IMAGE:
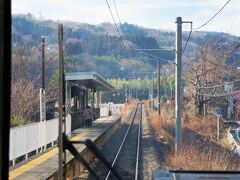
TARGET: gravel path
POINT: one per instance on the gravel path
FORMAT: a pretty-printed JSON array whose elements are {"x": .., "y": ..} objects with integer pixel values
[{"x": 151, "y": 149}]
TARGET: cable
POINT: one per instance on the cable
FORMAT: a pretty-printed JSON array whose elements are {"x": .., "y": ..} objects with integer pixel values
[
  {"x": 189, "y": 35},
  {"x": 215, "y": 86},
  {"x": 117, "y": 13},
  {"x": 219, "y": 95},
  {"x": 157, "y": 57},
  {"x": 159, "y": 49},
  {"x": 116, "y": 24},
  {"x": 232, "y": 103},
  {"x": 113, "y": 17},
  {"x": 202, "y": 25},
  {"x": 169, "y": 61},
  {"x": 212, "y": 17}
]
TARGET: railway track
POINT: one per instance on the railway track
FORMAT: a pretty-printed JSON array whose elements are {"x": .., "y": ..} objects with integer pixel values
[{"x": 126, "y": 161}]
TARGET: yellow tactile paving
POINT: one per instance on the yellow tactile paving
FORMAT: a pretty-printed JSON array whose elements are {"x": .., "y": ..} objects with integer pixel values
[{"x": 35, "y": 162}]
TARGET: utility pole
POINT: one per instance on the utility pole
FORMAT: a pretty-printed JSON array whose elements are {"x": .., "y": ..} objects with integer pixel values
[
  {"x": 149, "y": 95},
  {"x": 152, "y": 92},
  {"x": 136, "y": 93},
  {"x": 61, "y": 131},
  {"x": 129, "y": 91},
  {"x": 158, "y": 77},
  {"x": 178, "y": 83},
  {"x": 126, "y": 94},
  {"x": 42, "y": 94}
]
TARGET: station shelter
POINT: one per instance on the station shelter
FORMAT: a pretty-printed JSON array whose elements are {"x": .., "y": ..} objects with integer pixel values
[{"x": 83, "y": 89}]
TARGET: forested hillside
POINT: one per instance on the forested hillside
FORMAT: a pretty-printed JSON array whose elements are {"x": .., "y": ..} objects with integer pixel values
[{"x": 99, "y": 47}]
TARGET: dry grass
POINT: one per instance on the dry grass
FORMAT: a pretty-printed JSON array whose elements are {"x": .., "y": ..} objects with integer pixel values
[
  {"x": 191, "y": 157},
  {"x": 199, "y": 150},
  {"x": 206, "y": 126}
]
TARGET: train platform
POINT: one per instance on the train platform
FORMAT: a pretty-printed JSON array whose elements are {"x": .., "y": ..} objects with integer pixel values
[{"x": 45, "y": 165}]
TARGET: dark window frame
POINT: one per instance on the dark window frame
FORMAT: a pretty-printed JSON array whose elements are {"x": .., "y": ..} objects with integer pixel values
[{"x": 5, "y": 85}]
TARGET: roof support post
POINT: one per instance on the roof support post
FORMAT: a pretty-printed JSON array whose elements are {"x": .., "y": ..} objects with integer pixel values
[{"x": 98, "y": 99}]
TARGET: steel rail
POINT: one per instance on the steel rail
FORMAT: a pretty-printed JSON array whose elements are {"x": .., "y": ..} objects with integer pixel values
[
  {"x": 123, "y": 141},
  {"x": 138, "y": 144}
]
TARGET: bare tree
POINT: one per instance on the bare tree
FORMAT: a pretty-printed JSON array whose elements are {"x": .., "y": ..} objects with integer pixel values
[
  {"x": 26, "y": 83},
  {"x": 210, "y": 71},
  {"x": 24, "y": 99}
]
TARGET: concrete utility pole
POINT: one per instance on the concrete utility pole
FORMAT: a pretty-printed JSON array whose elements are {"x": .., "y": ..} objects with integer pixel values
[
  {"x": 61, "y": 131},
  {"x": 149, "y": 95},
  {"x": 158, "y": 77},
  {"x": 126, "y": 94},
  {"x": 129, "y": 91},
  {"x": 178, "y": 69},
  {"x": 152, "y": 92}
]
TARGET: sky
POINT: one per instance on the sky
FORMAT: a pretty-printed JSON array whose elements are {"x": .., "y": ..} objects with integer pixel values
[{"x": 159, "y": 14}]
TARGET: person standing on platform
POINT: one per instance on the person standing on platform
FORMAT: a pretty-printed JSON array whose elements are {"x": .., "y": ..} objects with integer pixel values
[{"x": 88, "y": 116}]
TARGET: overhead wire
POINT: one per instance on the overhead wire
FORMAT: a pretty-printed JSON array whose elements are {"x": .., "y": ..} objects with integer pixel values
[
  {"x": 158, "y": 58},
  {"x": 204, "y": 24},
  {"x": 189, "y": 35},
  {"x": 215, "y": 86},
  {"x": 218, "y": 94},
  {"x": 117, "y": 13},
  {"x": 151, "y": 49},
  {"x": 231, "y": 102},
  {"x": 119, "y": 32},
  {"x": 115, "y": 23},
  {"x": 153, "y": 56}
]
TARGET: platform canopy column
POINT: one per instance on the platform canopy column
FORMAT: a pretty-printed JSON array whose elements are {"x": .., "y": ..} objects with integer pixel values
[
  {"x": 98, "y": 100},
  {"x": 68, "y": 97},
  {"x": 93, "y": 99},
  {"x": 86, "y": 98}
]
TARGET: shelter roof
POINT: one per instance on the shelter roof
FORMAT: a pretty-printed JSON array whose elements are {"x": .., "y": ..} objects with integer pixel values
[{"x": 90, "y": 80}]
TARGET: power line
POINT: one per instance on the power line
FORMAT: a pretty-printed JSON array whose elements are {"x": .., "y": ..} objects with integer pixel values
[
  {"x": 157, "y": 57},
  {"x": 232, "y": 103},
  {"x": 117, "y": 13},
  {"x": 215, "y": 86},
  {"x": 113, "y": 18},
  {"x": 116, "y": 24},
  {"x": 169, "y": 61},
  {"x": 219, "y": 95},
  {"x": 189, "y": 35},
  {"x": 158, "y": 49},
  {"x": 212, "y": 16}
]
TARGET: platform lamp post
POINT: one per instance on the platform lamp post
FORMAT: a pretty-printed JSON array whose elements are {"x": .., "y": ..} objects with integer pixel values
[{"x": 42, "y": 94}]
